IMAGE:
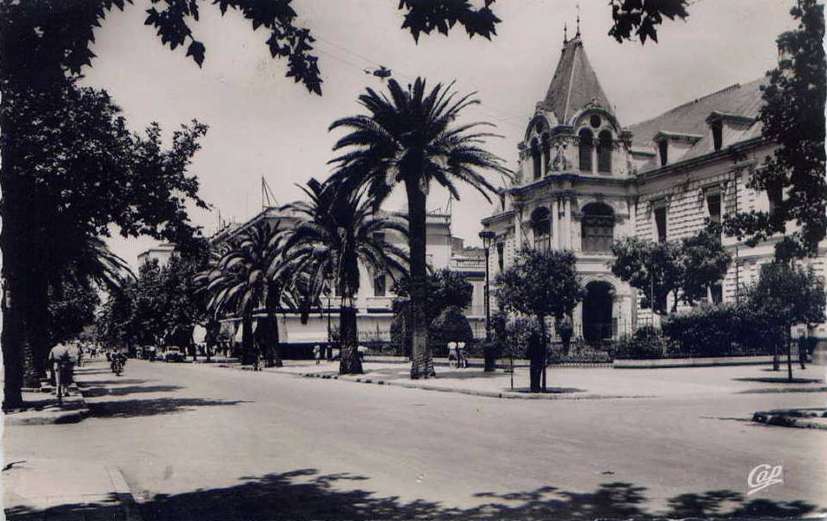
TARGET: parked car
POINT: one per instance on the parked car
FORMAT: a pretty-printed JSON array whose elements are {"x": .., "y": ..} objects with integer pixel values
[{"x": 172, "y": 354}]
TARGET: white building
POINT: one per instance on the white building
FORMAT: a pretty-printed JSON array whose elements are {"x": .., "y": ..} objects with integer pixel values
[
  {"x": 585, "y": 180},
  {"x": 161, "y": 253},
  {"x": 375, "y": 297}
]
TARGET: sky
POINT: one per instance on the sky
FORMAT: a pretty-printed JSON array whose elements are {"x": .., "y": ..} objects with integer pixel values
[{"x": 264, "y": 125}]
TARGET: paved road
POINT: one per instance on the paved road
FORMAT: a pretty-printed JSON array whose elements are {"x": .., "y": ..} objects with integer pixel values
[{"x": 205, "y": 443}]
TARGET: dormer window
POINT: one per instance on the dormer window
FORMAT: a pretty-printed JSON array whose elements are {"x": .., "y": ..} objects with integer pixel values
[
  {"x": 717, "y": 128},
  {"x": 663, "y": 151},
  {"x": 734, "y": 122}
]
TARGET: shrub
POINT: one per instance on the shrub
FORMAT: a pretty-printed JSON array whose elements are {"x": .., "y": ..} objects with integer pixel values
[
  {"x": 706, "y": 330},
  {"x": 450, "y": 326},
  {"x": 646, "y": 343},
  {"x": 729, "y": 329}
]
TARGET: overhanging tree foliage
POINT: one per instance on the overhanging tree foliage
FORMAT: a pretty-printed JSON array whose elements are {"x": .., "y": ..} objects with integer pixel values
[
  {"x": 792, "y": 116},
  {"x": 72, "y": 169}
]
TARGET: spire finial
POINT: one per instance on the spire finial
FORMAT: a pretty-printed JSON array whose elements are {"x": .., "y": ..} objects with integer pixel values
[
  {"x": 565, "y": 33},
  {"x": 578, "y": 20}
]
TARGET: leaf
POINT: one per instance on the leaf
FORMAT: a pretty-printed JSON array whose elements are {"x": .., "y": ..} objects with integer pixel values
[{"x": 196, "y": 50}]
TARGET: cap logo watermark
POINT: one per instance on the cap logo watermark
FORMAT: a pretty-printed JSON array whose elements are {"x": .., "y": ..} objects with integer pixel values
[{"x": 763, "y": 476}]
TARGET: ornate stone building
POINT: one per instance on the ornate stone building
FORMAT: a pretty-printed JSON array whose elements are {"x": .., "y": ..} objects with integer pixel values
[{"x": 585, "y": 180}]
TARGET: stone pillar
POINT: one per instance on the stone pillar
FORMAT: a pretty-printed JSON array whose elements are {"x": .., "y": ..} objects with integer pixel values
[
  {"x": 567, "y": 223},
  {"x": 518, "y": 229},
  {"x": 556, "y": 229}
]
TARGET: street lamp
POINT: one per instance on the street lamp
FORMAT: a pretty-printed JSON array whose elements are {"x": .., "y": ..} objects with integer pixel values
[{"x": 487, "y": 237}]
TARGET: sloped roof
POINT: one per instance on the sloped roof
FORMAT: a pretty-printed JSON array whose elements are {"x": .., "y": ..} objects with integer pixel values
[
  {"x": 691, "y": 118},
  {"x": 574, "y": 84}
]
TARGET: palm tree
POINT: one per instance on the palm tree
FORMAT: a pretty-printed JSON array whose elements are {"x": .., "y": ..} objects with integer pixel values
[
  {"x": 237, "y": 282},
  {"x": 412, "y": 138},
  {"x": 337, "y": 231}
]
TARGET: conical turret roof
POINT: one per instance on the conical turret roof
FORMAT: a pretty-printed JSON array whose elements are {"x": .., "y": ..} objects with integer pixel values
[{"x": 574, "y": 84}]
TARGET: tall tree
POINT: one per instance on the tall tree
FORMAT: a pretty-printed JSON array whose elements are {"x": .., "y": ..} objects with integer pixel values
[
  {"x": 411, "y": 138},
  {"x": 337, "y": 233},
  {"x": 792, "y": 117},
  {"x": 785, "y": 295},
  {"x": 540, "y": 284},
  {"x": 239, "y": 284},
  {"x": 65, "y": 184}
]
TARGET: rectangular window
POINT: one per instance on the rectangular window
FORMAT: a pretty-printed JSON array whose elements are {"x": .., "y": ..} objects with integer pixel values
[
  {"x": 501, "y": 256},
  {"x": 717, "y": 293},
  {"x": 660, "y": 223},
  {"x": 713, "y": 205},
  {"x": 379, "y": 286}
]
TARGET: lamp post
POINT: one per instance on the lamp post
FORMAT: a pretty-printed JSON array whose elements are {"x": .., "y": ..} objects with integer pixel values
[{"x": 487, "y": 237}]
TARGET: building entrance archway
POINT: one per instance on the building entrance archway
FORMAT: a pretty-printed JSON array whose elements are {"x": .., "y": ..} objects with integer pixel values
[{"x": 597, "y": 311}]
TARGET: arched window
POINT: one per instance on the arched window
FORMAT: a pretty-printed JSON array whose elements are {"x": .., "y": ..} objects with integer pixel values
[
  {"x": 541, "y": 226},
  {"x": 598, "y": 228},
  {"x": 604, "y": 152},
  {"x": 586, "y": 145},
  {"x": 546, "y": 145},
  {"x": 535, "y": 159}
]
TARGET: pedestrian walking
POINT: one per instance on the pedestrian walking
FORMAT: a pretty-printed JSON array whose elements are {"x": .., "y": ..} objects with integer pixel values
[
  {"x": 62, "y": 359},
  {"x": 317, "y": 354},
  {"x": 461, "y": 360}
]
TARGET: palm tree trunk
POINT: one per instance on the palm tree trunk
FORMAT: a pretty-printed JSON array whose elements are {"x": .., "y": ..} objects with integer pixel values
[
  {"x": 350, "y": 363},
  {"x": 422, "y": 365},
  {"x": 247, "y": 341}
]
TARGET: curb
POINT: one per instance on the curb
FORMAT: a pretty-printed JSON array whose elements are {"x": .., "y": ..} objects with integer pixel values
[
  {"x": 124, "y": 494},
  {"x": 786, "y": 419},
  {"x": 507, "y": 395}
]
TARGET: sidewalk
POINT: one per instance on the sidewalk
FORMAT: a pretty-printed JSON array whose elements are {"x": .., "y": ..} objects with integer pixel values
[
  {"x": 63, "y": 490},
  {"x": 581, "y": 383},
  {"x": 42, "y": 409}
]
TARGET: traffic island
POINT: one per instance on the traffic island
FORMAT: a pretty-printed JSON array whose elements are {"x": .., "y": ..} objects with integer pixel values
[{"x": 796, "y": 418}]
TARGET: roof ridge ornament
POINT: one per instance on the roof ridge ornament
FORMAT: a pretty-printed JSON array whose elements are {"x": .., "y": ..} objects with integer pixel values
[{"x": 578, "y": 21}]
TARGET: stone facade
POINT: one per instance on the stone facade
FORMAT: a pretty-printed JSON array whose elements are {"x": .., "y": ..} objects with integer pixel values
[{"x": 583, "y": 181}]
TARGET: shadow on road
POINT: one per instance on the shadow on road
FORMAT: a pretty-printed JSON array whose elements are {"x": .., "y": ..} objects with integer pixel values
[
  {"x": 151, "y": 407},
  {"x": 119, "y": 381},
  {"x": 95, "y": 392},
  {"x": 779, "y": 380},
  {"x": 302, "y": 494}
]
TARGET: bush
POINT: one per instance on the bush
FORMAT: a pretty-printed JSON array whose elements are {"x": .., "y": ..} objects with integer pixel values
[
  {"x": 646, "y": 343},
  {"x": 721, "y": 330},
  {"x": 450, "y": 326},
  {"x": 706, "y": 330}
]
